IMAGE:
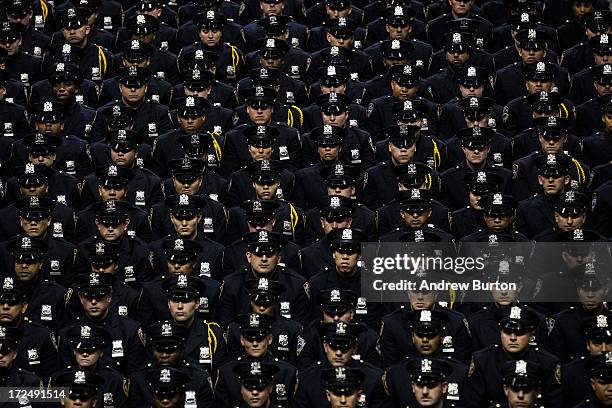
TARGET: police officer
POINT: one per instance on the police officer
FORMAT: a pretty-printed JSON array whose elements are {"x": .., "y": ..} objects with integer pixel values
[
  {"x": 95, "y": 61},
  {"x": 338, "y": 305},
  {"x": 166, "y": 342},
  {"x": 580, "y": 386},
  {"x": 468, "y": 220},
  {"x": 87, "y": 342},
  {"x": 273, "y": 51},
  {"x": 138, "y": 53},
  {"x": 19, "y": 64},
  {"x": 259, "y": 215},
  {"x": 580, "y": 54},
  {"x": 498, "y": 212},
  {"x": 168, "y": 386},
  {"x": 309, "y": 185},
  {"x": 179, "y": 257},
  {"x": 275, "y": 24},
  {"x": 113, "y": 186},
  {"x": 33, "y": 41},
  {"x": 597, "y": 148},
  {"x": 406, "y": 85},
  {"x": 256, "y": 383},
  {"x": 459, "y": 11},
  {"x": 340, "y": 344},
  {"x": 599, "y": 203},
  {"x": 394, "y": 52},
  {"x": 205, "y": 343},
  {"x": 263, "y": 250},
  {"x": 357, "y": 146},
  {"x": 264, "y": 125},
  {"x": 47, "y": 298},
  {"x": 10, "y": 372},
  {"x": 476, "y": 144},
  {"x": 516, "y": 324},
  {"x": 82, "y": 387},
  {"x": 589, "y": 82},
  {"x": 147, "y": 27},
  {"x": 36, "y": 338},
  {"x": 343, "y": 386},
  {"x": 532, "y": 49},
  {"x": 288, "y": 221},
  {"x": 192, "y": 117},
  {"x": 12, "y": 117},
  {"x": 333, "y": 9},
  {"x": 291, "y": 91},
  {"x": 599, "y": 368},
  {"x": 199, "y": 80},
  {"x": 112, "y": 222},
  {"x": 287, "y": 340},
  {"x": 522, "y": 382},
  {"x": 152, "y": 118},
  {"x": 35, "y": 222},
  {"x": 256, "y": 337},
  {"x": 345, "y": 274},
  {"x": 415, "y": 212}
]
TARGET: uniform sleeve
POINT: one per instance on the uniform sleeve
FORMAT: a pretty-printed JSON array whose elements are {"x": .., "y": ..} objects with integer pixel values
[
  {"x": 230, "y": 162},
  {"x": 475, "y": 386},
  {"x": 388, "y": 349},
  {"x": 135, "y": 352}
]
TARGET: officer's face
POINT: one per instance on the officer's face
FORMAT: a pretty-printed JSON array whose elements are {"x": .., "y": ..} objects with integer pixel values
[
  {"x": 457, "y": 59},
  {"x": 346, "y": 262},
  {"x": 268, "y": 226},
  {"x": 166, "y": 358},
  {"x": 145, "y": 63},
  {"x": 332, "y": 223},
  {"x": 339, "y": 357},
  {"x": 599, "y": 346},
  {"x": 272, "y": 63},
  {"x": 146, "y": 38},
  {"x": 335, "y": 119},
  {"x": 553, "y": 185},
  {"x": 425, "y": 345},
  {"x": 35, "y": 228},
  {"x": 112, "y": 193},
  {"x": 402, "y": 155},
  {"x": 263, "y": 263},
  {"x": 573, "y": 260},
  {"x": 50, "y": 128},
  {"x": 471, "y": 91},
  {"x": 177, "y": 268},
  {"x": 341, "y": 400},
  {"x": 112, "y": 232},
  {"x": 24, "y": 21},
  {"x": 521, "y": 398},
  {"x": 476, "y": 156},
  {"x": 340, "y": 42},
  {"x": 398, "y": 33},
  {"x": 531, "y": 56},
  {"x": 539, "y": 86},
  {"x": 403, "y": 93},
  {"x": 95, "y": 308},
  {"x": 346, "y": 316},
  {"x": 515, "y": 342},
  {"x": 124, "y": 159},
  {"x": 211, "y": 38},
  {"x": 260, "y": 153},
  {"x": 336, "y": 14},
  {"x": 191, "y": 124},
  {"x": 11, "y": 47},
  {"x": 606, "y": 118},
  {"x": 76, "y": 36},
  {"x": 256, "y": 347},
  {"x": 185, "y": 228},
  {"x": 65, "y": 90},
  {"x": 474, "y": 199},
  {"x": 86, "y": 359},
  {"x": 182, "y": 311},
  {"x": 603, "y": 390},
  {"x": 45, "y": 160},
  {"x": 6, "y": 360},
  {"x": 339, "y": 89},
  {"x": 429, "y": 395},
  {"x": 505, "y": 297},
  {"x": 344, "y": 191},
  {"x": 266, "y": 191},
  {"x": 328, "y": 153},
  {"x": 422, "y": 300},
  {"x": 187, "y": 188},
  {"x": 12, "y": 313},
  {"x": 461, "y": 7},
  {"x": 482, "y": 121},
  {"x": 108, "y": 268},
  {"x": 592, "y": 299},
  {"x": 498, "y": 224},
  {"x": 415, "y": 219},
  {"x": 79, "y": 402},
  {"x": 173, "y": 401},
  {"x": 581, "y": 8},
  {"x": 256, "y": 398},
  {"x": 569, "y": 223},
  {"x": 270, "y": 8},
  {"x": 259, "y": 115},
  {"x": 27, "y": 271},
  {"x": 133, "y": 95}
]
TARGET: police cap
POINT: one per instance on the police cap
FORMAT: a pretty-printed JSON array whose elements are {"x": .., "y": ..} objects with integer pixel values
[
  {"x": 181, "y": 251},
  {"x": 255, "y": 375},
  {"x": 255, "y": 326},
  {"x": 134, "y": 77},
  {"x": 396, "y": 49},
  {"x": 428, "y": 371},
  {"x": 264, "y": 292},
  {"x": 346, "y": 240},
  {"x": 517, "y": 317},
  {"x": 183, "y": 288},
  {"x": 476, "y": 137},
  {"x": 264, "y": 242},
  {"x": 335, "y": 302},
  {"x": 415, "y": 200},
  {"x": 521, "y": 374},
  {"x": 408, "y": 75},
  {"x": 272, "y": 48},
  {"x": 333, "y": 75},
  {"x": 49, "y": 111},
  {"x": 265, "y": 171},
  {"x": 88, "y": 338},
  {"x": 94, "y": 285},
  {"x": 552, "y": 165},
  {"x": 399, "y": 15},
  {"x": 274, "y": 25},
  {"x": 210, "y": 19},
  {"x": 142, "y": 24},
  {"x": 185, "y": 207},
  {"x": 166, "y": 335},
  {"x": 259, "y": 96},
  {"x": 543, "y": 101},
  {"x": 191, "y": 106},
  {"x": 166, "y": 382},
  {"x": 342, "y": 175},
  {"x": 600, "y": 366},
  {"x": 27, "y": 249},
  {"x": 427, "y": 322},
  {"x": 81, "y": 384},
  {"x": 336, "y": 207},
  {"x": 261, "y": 135},
  {"x": 31, "y": 175},
  {"x": 498, "y": 205},
  {"x": 483, "y": 182},
  {"x": 532, "y": 39},
  {"x": 327, "y": 135},
  {"x": 343, "y": 380},
  {"x": 112, "y": 176},
  {"x": 135, "y": 51},
  {"x": 186, "y": 170},
  {"x": 412, "y": 175},
  {"x": 102, "y": 253},
  {"x": 195, "y": 145}
]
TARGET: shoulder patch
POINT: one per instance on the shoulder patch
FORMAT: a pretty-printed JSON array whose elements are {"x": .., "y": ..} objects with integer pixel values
[
  {"x": 307, "y": 289},
  {"x": 550, "y": 324},
  {"x": 472, "y": 368},
  {"x": 515, "y": 168},
  {"x": 126, "y": 386},
  {"x": 558, "y": 373},
  {"x": 370, "y": 109}
]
